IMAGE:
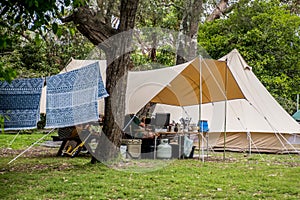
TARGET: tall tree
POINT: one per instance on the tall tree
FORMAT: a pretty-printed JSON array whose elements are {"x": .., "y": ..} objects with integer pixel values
[
  {"x": 96, "y": 25},
  {"x": 187, "y": 43}
]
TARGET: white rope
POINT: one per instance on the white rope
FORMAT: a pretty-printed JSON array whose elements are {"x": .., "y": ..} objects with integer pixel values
[
  {"x": 129, "y": 122},
  {"x": 275, "y": 130},
  {"x": 30, "y": 146},
  {"x": 281, "y": 142},
  {"x": 289, "y": 143},
  {"x": 251, "y": 141},
  {"x": 11, "y": 142},
  {"x": 205, "y": 140}
]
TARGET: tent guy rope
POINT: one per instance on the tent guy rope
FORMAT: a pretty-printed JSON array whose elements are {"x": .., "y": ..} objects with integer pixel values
[{"x": 30, "y": 147}]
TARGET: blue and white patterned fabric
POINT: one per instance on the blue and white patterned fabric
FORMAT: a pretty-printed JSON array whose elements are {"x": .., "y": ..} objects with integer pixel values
[
  {"x": 71, "y": 98},
  {"x": 20, "y": 103}
]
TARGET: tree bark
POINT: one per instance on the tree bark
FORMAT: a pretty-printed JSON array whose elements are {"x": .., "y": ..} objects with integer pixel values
[
  {"x": 220, "y": 9},
  {"x": 100, "y": 33},
  {"x": 187, "y": 47}
]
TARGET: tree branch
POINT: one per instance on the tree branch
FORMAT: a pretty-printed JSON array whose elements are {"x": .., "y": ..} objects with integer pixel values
[
  {"x": 67, "y": 19},
  {"x": 218, "y": 11},
  {"x": 90, "y": 25}
]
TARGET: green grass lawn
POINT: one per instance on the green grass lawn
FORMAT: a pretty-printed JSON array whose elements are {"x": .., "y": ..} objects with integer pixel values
[{"x": 41, "y": 175}]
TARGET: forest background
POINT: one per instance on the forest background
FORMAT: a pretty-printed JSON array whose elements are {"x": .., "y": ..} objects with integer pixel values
[{"x": 35, "y": 42}]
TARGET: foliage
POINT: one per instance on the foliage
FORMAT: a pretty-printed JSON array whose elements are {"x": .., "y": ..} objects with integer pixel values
[
  {"x": 43, "y": 176},
  {"x": 267, "y": 36},
  {"x": 35, "y": 55},
  {"x": 32, "y": 41},
  {"x": 158, "y": 17},
  {"x": 164, "y": 14},
  {"x": 165, "y": 56}
]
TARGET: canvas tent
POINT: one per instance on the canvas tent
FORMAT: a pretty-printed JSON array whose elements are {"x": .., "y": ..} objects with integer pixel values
[
  {"x": 256, "y": 121},
  {"x": 229, "y": 91},
  {"x": 180, "y": 85}
]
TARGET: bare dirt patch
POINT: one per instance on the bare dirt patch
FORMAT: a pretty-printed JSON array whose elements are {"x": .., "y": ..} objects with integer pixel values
[{"x": 32, "y": 152}]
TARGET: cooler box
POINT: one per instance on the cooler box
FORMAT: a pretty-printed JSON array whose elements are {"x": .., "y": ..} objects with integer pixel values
[
  {"x": 133, "y": 147},
  {"x": 203, "y": 126}
]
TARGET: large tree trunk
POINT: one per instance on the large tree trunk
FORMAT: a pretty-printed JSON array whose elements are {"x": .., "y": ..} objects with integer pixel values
[
  {"x": 118, "y": 60},
  {"x": 187, "y": 46}
]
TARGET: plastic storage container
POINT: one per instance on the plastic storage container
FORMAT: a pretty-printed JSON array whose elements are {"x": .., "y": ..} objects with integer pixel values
[{"x": 133, "y": 147}]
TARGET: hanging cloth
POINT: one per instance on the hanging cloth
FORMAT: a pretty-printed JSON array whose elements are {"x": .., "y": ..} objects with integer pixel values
[
  {"x": 71, "y": 98},
  {"x": 20, "y": 103}
]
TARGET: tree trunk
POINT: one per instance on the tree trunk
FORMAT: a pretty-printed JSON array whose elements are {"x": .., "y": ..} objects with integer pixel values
[
  {"x": 100, "y": 33},
  {"x": 187, "y": 46}
]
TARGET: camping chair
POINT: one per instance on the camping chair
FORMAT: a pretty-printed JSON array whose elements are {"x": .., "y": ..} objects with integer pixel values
[
  {"x": 71, "y": 142},
  {"x": 73, "y": 147}
]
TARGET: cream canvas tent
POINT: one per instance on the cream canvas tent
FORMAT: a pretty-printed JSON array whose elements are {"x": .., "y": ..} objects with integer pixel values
[
  {"x": 255, "y": 122},
  {"x": 180, "y": 85},
  {"x": 254, "y": 119}
]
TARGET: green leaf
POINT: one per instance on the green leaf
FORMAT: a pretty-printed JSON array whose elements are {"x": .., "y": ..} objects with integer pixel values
[
  {"x": 59, "y": 32},
  {"x": 37, "y": 39},
  {"x": 72, "y": 31},
  {"x": 67, "y": 2},
  {"x": 54, "y": 28}
]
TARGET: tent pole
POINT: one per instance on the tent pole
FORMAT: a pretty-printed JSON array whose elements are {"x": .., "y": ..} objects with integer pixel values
[
  {"x": 129, "y": 122},
  {"x": 225, "y": 117},
  {"x": 249, "y": 138},
  {"x": 297, "y": 102},
  {"x": 200, "y": 112}
]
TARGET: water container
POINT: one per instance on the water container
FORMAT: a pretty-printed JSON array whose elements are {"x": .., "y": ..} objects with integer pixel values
[
  {"x": 164, "y": 150},
  {"x": 203, "y": 126}
]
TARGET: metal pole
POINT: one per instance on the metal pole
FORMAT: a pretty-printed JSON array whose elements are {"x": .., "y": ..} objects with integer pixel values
[
  {"x": 200, "y": 111},
  {"x": 297, "y": 102},
  {"x": 225, "y": 119},
  {"x": 250, "y": 140}
]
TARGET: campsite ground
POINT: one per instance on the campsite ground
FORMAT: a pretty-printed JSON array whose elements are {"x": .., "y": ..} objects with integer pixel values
[{"x": 38, "y": 174}]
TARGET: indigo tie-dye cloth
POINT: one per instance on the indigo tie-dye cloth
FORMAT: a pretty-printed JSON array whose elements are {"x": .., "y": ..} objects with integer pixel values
[
  {"x": 71, "y": 98},
  {"x": 20, "y": 103}
]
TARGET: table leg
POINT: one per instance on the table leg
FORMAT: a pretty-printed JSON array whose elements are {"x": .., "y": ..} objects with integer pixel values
[{"x": 154, "y": 152}]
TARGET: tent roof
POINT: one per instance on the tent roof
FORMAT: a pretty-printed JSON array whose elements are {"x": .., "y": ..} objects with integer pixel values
[
  {"x": 77, "y": 64},
  {"x": 258, "y": 111},
  {"x": 259, "y": 97},
  {"x": 180, "y": 85}
]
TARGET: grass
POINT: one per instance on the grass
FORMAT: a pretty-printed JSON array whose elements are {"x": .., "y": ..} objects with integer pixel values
[{"x": 44, "y": 176}]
